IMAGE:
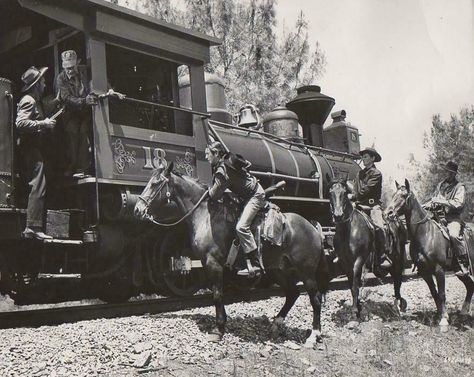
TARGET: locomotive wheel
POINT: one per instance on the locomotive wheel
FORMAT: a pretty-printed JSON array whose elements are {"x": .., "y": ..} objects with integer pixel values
[
  {"x": 117, "y": 287},
  {"x": 158, "y": 282},
  {"x": 175, "y": 245}
]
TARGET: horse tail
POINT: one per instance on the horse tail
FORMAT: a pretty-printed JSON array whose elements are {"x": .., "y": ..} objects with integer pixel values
[{"x": 322, "y": 272}]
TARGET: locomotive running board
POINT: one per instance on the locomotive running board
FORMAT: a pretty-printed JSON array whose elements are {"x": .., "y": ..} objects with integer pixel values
[
  {"x": 63, "y": 242},
  {"x": 58, "y": 276}
]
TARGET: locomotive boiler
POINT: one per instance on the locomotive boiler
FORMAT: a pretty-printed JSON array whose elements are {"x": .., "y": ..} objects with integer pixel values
[{"x": 98, "y": 248}]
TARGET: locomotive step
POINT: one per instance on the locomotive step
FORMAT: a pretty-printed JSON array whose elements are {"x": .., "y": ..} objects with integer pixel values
[
  {"x": 58, "y": 276},
  {"x": 63, "y": 242}
]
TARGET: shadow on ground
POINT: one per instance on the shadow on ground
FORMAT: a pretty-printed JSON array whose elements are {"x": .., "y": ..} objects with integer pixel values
[{"x": 249, "y": 329}]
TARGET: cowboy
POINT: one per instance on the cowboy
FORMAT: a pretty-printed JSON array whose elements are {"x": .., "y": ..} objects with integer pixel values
[
  {"x": 450, "y": 196},
  {"x": 73, "y": 89},
  {"x": 231, "y": 172},
  {"x": 31, "y": 123},
  {"x": 368, "y": 192}
]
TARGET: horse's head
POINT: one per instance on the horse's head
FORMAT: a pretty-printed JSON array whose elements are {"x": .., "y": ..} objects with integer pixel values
[
  {"x": 399, "y": 201},
  {"x": 338, "y": 192},
  {"x": 156, "y": 190}
]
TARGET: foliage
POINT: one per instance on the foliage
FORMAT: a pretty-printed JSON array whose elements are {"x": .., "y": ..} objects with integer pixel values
[
  {"x": 447, "y": 140},
  {"x": 259, "y": 64}
]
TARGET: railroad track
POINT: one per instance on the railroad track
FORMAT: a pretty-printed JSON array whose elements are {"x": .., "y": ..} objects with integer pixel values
[{"x": 70, "y": 314}]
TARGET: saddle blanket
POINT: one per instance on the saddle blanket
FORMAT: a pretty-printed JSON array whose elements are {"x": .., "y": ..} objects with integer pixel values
[{"x": 443, "y": 230}]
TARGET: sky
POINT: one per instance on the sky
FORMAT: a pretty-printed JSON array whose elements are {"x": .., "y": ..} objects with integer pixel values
[{"x": 392, "y": 64}]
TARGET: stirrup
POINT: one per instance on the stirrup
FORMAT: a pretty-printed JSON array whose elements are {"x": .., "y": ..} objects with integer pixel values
[
  {"x": 462, "y": 271},
  {"x": 250, "y": 270}
]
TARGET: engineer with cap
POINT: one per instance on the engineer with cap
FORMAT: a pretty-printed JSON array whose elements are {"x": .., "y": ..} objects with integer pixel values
[
  {"x": 368, "y": 192},
  {"x": 31, "y": 123},
  {"x": 450, "y": 196},
  {"x": 73, "y": 89}
]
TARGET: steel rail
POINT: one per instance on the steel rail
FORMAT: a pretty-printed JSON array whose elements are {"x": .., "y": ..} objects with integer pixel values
[{"x": 70, "y": 314}]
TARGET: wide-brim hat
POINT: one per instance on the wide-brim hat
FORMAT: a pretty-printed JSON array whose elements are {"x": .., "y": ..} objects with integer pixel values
[
  {"x": 31, "y": 76},
  {"x": 237, "y": 162},
  {"x": 372, "y": 152},
  {"x": 450, "y": 166}
]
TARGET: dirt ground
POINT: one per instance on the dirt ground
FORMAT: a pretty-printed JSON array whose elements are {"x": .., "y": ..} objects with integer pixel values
[{"x": 385, "y": 342}]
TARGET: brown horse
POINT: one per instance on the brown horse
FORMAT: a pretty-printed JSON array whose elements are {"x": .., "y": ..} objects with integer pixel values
[
  {"x": 300, "y": 258},
  {"x": 428, "y": 249},
  {"x": 354, "y": 240}
]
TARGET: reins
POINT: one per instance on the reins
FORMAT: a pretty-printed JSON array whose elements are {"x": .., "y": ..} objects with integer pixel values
[{"x": 148, "y": 202}]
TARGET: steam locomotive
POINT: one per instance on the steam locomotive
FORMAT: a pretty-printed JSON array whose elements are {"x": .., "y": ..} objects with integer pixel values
[{"x": 97, "y": 246}]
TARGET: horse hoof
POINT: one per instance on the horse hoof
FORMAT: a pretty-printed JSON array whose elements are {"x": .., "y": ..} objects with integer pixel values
[
  {"x": 444, "y": 325},
  {"x": 466, "y": 309},
  {"x": 403, "y": 305},
  {"x": 214, "y": 337},
  {"x": 314, "y": 338}
]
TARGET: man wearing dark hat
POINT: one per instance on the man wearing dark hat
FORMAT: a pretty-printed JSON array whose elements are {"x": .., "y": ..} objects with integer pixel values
[
  {"x": 31, "y": 123},
  {"x": 231, "y": 172},
  {"x": 450, "y": 196},
  {"x": 73, "y": 89},
  {"x": 368, "y": 192}
]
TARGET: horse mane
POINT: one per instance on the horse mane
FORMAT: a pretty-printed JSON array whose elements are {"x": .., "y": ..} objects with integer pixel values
[{"x": 192, "y": 179}]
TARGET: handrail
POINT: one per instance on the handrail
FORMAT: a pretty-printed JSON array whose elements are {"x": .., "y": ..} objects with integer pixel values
[
  {"x": 130, "y": 99},
  {"x": 277, "y": 138}
]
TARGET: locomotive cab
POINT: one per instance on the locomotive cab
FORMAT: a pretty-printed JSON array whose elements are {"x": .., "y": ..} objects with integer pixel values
[{"x": 91, "y": 218}]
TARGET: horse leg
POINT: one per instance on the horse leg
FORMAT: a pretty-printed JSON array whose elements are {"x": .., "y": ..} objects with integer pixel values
[
  {"x": 291, "y": 292},
  {"x": 397, "y": 274},
  {"x": 428, "y": 278},
  {"x": 216, "y": 276},
  {"x": 315, "y": 297},
  {"x": 356, "y": 282},
  {"x": 466, "y": 306},
  {"x": 440, "y": 280}
]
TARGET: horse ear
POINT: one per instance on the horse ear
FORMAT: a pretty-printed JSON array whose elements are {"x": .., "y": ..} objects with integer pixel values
[
  {"x": 169, "y": 168},
  {"x": 397, "y": 185},
  {"x": 407, "y": 185}
]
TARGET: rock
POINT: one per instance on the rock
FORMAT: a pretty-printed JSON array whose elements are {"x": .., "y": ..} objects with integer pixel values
[
  {"x": 311, "y": 369},
  {"x": 142, "y": 360},
  {"x": 352, "y": 325},
  {"x": 372, "y": 353},
  {"x": 292, "y": 346},
  {"x": 305, "y": 362},
  {"x": 388, "y": 362},
  {"x": 141, "y": 347}
]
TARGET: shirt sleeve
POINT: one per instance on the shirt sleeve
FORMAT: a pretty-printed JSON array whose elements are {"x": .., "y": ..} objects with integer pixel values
[
  {"x": 369, "y": 190},
  {"x": 25, "y": 121},
  {"x": 457, "y": 202},
  {"x": 220, "y": 183}
]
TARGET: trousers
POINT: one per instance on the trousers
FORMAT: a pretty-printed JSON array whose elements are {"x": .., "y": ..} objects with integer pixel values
[
  {"x": 454, "y": 229},
  {"x": 244, "y": 233},
  {"x": 35, "y": 174},
  {"x": 77, "y": 132}
]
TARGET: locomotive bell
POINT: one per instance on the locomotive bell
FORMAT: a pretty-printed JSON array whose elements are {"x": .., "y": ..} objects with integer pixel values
[{"x": 248, "y": 117}]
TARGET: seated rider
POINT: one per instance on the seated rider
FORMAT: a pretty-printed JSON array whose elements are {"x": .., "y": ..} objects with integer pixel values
[
  {"x": 368, "y": 191},
  {"x": 449, "y": 196},
  {"x": 231, "y": 172}
]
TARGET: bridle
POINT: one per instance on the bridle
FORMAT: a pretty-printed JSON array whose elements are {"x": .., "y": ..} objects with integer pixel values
[
  {"x": 343, "y": 220},
  {"x": 162, "y": 183},
  {"x": 422, "y": 220}
]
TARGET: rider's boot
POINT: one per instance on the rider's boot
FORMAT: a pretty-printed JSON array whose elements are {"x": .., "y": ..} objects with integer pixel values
[
  {"x": 381, "y": 245},
  {"x": 253, "y": 265},
  {"x": 461, "y": 269}
]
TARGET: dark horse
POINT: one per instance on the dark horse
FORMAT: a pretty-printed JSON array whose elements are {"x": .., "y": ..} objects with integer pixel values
[
  {"x": 428, "y": 249},
  {"x": 300, "y": 258},
  {"x": 354, "y": 240}
]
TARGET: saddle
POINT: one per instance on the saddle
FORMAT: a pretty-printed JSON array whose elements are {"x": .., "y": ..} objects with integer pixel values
[{"x": 267, "y": 226}]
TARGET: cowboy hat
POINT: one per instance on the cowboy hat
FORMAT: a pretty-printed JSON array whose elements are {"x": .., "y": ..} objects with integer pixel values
[
  {"x": 372, "y": 152},
  {"x": 450, "y": 166},
  {"x": 69, "y": 58},
  {"x": 31, "y": 76},
  {"x": 237, "y": 162}
]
